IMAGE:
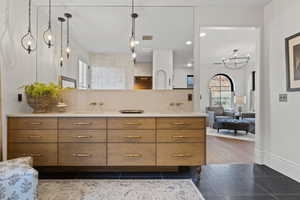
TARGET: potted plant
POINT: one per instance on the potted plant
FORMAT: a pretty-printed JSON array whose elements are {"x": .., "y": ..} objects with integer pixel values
[{"x": 40, "y": 97}]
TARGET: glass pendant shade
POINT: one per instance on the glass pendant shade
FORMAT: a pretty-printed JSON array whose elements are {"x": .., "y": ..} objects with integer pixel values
[
  {"x": 68, "y": 48},
  {"x": 61, "y": 60},
  {"x": 48, "y": 36},
  {"x": 132, "y": 42},
  {"x": 68, "y": 51},
  {"x": 28, "y": 41}
]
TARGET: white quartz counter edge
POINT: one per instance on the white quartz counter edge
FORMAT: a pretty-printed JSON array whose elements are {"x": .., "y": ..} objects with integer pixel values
[{"x": 192, "y": 114}]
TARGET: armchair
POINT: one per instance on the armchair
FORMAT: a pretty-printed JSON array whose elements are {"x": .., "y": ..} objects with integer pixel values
[
  {"x": 217, "y": 113},
  {"x": 18, "y": 180}
]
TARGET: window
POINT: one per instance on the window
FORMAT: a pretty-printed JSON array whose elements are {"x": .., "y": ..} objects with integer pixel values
[
  {"x": 221, "y": 91},
  {"x": 83, "y": 75},
  {"x": 190, "y": 81}
]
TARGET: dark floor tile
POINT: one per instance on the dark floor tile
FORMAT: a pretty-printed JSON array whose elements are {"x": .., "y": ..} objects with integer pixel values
[
  {"x": 287, "y": 197},
  {"x": 184, "y": 173},
  {"x": 255, "y": 197},
  {"x": 280, "y": 186},
  {"x": 233, "y": 186},
  {"x": 264, "y": 171},
  {"x": 129, "y": 175},
  {"x": 58, "y": 175},
  {"x": 214, "y": 197},
  {"x": 99, "y": 175}
]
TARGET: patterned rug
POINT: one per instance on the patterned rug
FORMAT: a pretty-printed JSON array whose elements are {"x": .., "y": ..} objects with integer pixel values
[{"x": 118, "y": 190}]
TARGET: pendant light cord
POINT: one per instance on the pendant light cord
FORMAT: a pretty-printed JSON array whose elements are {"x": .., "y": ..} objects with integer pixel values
[
  {"x": 68, "y": 32},
  {"x": 29, "y": 17},
  {"x": 50, "y": 14},
  {"x": 61, "y": 39}
]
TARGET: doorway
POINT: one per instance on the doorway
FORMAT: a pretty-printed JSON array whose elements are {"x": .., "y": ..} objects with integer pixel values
[{"x": 229, "y": 62}]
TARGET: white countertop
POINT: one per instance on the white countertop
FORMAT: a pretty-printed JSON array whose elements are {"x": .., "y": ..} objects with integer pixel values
[{"x": 108, "y": 114}]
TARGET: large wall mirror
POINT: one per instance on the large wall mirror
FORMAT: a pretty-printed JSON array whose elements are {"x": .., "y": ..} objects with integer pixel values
[{"x": 100, "y": 57}]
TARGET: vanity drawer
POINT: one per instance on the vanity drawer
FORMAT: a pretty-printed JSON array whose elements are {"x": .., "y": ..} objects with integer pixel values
[
  {"x": 32, "y": 136},
  {"x": 82, "y": 136},
  {"x": 181, "y": 136},
  {"x": 131, "y": 155},
  {"x": 31, "y": 123},
  {"x": 82, "y": 123},
  {"x": 131, "y": 123},
  {"x": 180, "y": 154},
  {"x": 131, "y": 136},
  {"x": 43, "y": 154},
  {"x": 180, "y": 123},
  {"x": 82, "y": 154}
]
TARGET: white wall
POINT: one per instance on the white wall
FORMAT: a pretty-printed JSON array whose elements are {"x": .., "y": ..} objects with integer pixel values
[
  {"x": 143, "y": 69},
  {"x": 180, "y": 76},
  {"x": 282, "y": 149}
]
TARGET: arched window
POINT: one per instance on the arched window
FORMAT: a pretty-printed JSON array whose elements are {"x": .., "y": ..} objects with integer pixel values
[{"x": 221, "y": 91}]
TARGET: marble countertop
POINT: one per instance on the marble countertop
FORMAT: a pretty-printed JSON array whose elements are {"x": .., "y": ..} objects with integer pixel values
[{"x": 107, "y": 114}]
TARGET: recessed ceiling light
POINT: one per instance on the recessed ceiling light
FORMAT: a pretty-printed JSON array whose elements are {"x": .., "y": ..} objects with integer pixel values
[
  {"x": 189, "y": 42},
  {"x": 202, "y": 34},
  {"x": 189, "y": 64}
]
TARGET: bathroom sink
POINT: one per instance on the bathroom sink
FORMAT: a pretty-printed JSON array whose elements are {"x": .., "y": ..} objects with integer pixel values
[{"x": 131, "y": 111}]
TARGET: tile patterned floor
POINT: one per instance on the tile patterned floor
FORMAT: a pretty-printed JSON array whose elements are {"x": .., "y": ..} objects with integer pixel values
[{"x": 217, "y": 182}]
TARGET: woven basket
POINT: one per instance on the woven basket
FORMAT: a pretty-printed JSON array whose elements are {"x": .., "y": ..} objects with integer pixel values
[{"x": 40, "y": 104}]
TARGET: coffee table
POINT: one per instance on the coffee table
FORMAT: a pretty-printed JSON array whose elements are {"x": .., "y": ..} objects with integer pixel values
[{"x": 235, "y": 125}]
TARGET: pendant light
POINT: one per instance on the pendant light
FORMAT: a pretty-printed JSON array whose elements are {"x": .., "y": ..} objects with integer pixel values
[
  {"x": 28, "y": 41},
  {"x": 48, "y": 36},
  {"x": 68, "y": 48},
  {"x": 132, "y": 40},
  {"x": 61, "y": 60}
]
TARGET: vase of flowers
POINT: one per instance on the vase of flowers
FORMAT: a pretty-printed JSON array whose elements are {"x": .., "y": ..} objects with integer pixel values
[{"x": 40, "y": 97}]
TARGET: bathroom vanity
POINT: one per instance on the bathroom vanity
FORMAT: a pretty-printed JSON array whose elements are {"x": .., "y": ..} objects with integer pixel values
[{"x": 109, "y": 140}]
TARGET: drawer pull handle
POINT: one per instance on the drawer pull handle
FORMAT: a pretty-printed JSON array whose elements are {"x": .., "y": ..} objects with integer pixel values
[
  {"x": 134, "y": 155},
  {"x": 182, "y": 155},
  {"x": 179, "y": 123},
  {"x": 82, "y": 124},
  {"x": 133, "y": 124},
  {"x": 133, "y": 137},
  {"x": 179, "y": 137},
  {"x": 36, "y": 123},
  {"x": 34, "y": 136},
  {"x": 32, "y": 154},
  {"x": 81, "y": 155},
  {"x": 83, "y": 136}
]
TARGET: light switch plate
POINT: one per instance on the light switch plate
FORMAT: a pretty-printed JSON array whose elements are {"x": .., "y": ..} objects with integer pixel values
[{"x": 283, "y": 98}]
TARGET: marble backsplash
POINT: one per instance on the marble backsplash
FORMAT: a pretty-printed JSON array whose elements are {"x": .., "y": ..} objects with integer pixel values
[{"x": 163, "y": 101}]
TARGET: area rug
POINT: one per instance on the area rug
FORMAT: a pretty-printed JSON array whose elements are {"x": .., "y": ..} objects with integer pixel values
[
  {"x": 118, "y": 190},
  {"x": 230, "y": 134}
]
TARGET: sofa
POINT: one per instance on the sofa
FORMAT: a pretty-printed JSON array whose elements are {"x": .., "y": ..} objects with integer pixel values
[
  {"x": 18, "y": 180},
  {"x": 217, "y": 114}
]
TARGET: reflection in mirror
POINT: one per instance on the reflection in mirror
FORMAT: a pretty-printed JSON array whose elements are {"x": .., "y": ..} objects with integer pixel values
[{"x": 100, "y": 56}]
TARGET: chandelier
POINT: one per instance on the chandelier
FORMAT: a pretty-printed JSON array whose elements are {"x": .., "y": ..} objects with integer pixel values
[
  {"x": 236, "y": 61},
  {"x": 132, "y": 40}
]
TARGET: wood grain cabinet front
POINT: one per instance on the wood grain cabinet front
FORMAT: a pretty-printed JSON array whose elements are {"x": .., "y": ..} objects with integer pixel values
[
  {"x": 43, "y": 154},
  {"x": 180, "y": 154},
  {"x": 180, "y": 123},
  {"x": 131, "y": 154},
  {"x": 32, "y": 123},
  {"x": 181, "y": 136},
  {"x": 131, "y": 123},
  {"x": 32, "y": 136},
  {"x": 82, "y": 136},
  {"x": 82, "y": 154},
  {"x": 131, "y": 136},
  {"x": 82, "y": 123}
]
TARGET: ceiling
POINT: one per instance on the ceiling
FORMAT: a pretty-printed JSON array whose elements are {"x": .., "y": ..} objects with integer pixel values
[
  {"x": 221, "y": 41},
  {"x": 259, "y": 3},
  {"x": 107, "y": 29}
]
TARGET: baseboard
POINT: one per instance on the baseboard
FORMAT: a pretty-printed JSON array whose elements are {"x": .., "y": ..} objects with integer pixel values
[{"x": 284, "y": 166}]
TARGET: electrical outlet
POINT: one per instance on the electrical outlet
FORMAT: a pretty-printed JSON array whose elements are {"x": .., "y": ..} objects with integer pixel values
[{"x": 283, "y": 98}]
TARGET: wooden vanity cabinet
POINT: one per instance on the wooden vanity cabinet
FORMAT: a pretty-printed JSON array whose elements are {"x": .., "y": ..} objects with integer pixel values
[
  {"x": 35, "y": 137},
  {"x": 109, "y": 141}
]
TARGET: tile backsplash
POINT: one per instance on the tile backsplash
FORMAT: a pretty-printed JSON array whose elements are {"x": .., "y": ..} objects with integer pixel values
[{"x": 114, "y": 100}]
